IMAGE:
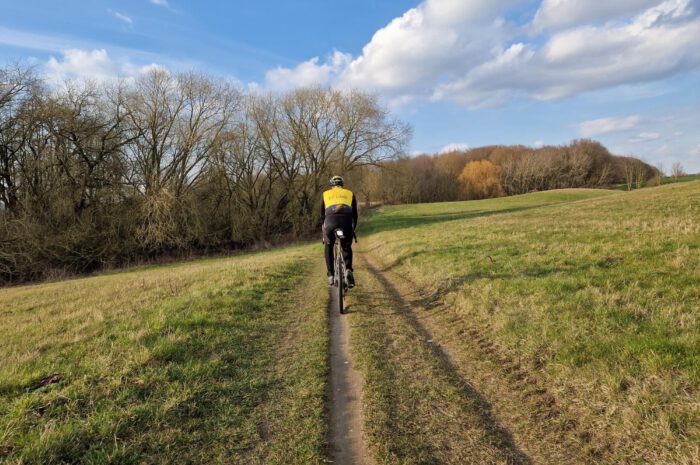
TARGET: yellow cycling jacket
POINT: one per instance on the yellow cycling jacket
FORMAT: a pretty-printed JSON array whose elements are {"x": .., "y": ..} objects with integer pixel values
[{"x": 339, "y": 201}]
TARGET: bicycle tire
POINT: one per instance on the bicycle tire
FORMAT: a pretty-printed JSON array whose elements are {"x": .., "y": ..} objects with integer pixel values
[
  {"x": 339, "y": 280},
  {"x": 341, "y": 304}
]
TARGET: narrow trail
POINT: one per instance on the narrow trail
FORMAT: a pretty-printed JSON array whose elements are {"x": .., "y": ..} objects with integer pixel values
[
  {"x": 522, "y": 412},
  {"x": 476, "y": 434},
  {"x": 346, "y": 442}
]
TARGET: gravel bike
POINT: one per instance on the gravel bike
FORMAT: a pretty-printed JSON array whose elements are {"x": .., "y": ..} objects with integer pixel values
[{"x": 340, "y": 282}]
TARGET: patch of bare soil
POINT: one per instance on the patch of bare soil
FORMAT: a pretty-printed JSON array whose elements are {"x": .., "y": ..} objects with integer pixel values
[{"x": 346, "y": 440}]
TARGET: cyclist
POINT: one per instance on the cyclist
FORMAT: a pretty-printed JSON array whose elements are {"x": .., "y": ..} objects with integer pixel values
[{"x": 339, "y": 210}]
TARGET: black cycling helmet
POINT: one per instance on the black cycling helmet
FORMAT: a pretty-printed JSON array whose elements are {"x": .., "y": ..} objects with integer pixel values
[{"x": 336, "y": 181}]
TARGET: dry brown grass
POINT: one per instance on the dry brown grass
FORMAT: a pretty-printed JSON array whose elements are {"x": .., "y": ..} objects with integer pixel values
[
  {"x": 212, "y": 361},
  {"x": 578, "y": 321}
]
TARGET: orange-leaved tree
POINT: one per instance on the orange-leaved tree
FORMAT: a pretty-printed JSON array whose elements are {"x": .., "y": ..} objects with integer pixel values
[{"x": 480, "y": 179}]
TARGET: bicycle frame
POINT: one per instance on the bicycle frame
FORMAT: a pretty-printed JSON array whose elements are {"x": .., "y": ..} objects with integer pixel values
[{"x": 340, "y": 283}]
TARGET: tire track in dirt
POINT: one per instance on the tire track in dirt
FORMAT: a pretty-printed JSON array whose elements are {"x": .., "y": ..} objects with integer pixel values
[
  {"x": 559, "y": 439},
  {"x": 347, "y": 446}
]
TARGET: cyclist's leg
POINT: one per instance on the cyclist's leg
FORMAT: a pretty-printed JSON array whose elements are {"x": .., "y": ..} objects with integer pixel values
[
  {"x": 329, "y": 242},
  {"x": 347, "y": 255},
  {"x": 328, "y": 252},
  {"x": 346, "y": 245},
  {"x": 347, "y": 252}
]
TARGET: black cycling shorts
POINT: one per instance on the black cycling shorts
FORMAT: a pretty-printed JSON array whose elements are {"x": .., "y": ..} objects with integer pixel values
[{"x": 331, "y": 223}]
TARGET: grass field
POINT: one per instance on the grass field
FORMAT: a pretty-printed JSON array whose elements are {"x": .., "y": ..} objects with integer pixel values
[
  {"x": 655, "y": 182},
  {"x": 212, "y": 361},
  {"x": 556, "y": 327},
  {"x": 595, "y": 301},
  {"x": 672, "y": 180}
]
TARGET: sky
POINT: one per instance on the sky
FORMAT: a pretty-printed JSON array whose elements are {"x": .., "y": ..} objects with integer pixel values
[{"x": 463, "y": 73}]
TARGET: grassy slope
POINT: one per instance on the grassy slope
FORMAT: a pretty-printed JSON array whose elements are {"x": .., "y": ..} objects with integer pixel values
[
  {"x": 688, "y": 178},
  {"x": 213, "y": 361},
  {"x": 597, "y": 298},
  {"x": 593, "y": 292}
]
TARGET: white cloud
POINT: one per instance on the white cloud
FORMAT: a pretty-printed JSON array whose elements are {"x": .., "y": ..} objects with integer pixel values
[
  {"x": 607, "y": 125},
  {"x": 57, "y": 45},
  {"x": 120, "y": 16},
  {"x": 586, "y": 58},
  {"x": 538, "y": 144},
  {"x": 562, "y": 13},
  {"x": 165, "y": 4},
  {"x": 308, "y": 73},
  {"x": 456, "y": 147},
  {"x": 646, "y": 137},
  {"x": 76, "y": 63},
  {"x": 437, "y": 40},
  {"x": 403, "y": 60},
  {"x": 94, "y": 65},
  {"x": 664, "y": 12},
  {"x": 466, "y": 52}
]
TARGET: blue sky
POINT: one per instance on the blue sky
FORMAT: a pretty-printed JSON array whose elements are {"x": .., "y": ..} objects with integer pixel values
[{"x": 462, "y": 72}]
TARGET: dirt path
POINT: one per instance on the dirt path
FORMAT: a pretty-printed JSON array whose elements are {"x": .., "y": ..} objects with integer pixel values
[
  {"x": 346, "y": 442},
  {"x": 514, "y": 403}
]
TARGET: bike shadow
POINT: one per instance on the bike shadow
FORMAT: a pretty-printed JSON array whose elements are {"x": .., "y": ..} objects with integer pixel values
[{"x": 497, "y": 433}]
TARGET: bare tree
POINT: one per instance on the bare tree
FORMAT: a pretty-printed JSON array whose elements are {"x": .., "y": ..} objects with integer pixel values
[
  {"x": 98, "y": 173},
  {"x": 17, "y": 86},
  {"x": 175, "y": 123},
  {"x": 677, "y": 170},
  {"x": 639, "y": 173},
  {"x": 367, "y": 134}
]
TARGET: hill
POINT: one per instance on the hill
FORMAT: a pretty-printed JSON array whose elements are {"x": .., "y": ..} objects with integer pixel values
[
  {"x": 578, "y": 321},
  {"x": 556, "y": 327}
]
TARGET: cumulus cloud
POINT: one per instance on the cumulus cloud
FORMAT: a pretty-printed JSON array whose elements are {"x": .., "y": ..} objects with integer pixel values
[
  {"x": 658, "y": 43},
  {"x": 437, "y": 39},
  {"x": 600, "y": 126},
  {"x": 94, "y": 65},
  {"x": 308, "y": 73},
  {"x": 466, "y": 52},
  {"x": 404, "y": 60},
  {"x": 561, "y": 13},
  {"x": 91, "y": 64},
  {"x": 456, "y": 147}
]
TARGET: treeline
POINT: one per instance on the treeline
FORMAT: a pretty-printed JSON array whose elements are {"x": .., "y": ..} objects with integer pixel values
[
  {"x": 495, "y": 171},
  {"x": 99, "y": 175},
  {"x": 102, "y": 175}
]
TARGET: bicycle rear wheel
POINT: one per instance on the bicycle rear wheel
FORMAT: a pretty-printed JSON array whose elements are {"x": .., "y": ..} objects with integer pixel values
[{"x": 339, "y": 284}]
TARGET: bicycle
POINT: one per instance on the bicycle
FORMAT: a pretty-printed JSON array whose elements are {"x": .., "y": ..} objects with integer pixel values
[{"x": 339, "y": 280}]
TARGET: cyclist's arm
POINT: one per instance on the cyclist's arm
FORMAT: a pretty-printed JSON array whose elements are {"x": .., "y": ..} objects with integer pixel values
[
  {"x": 354, "y": 212},
  {"x": 323, "y": 208}
]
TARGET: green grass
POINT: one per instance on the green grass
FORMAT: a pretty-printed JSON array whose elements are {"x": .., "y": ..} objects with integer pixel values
[
  {"x": 672, "y": 180},
  {"x": 212, "y": 361},
  {"x": 593, "y": 293},
  {"x": 598, "y": 297},
  {"x": 408, "y": 216},
  {"x": 417, "y": 408},
  {"x": 655, "y": 182}
]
